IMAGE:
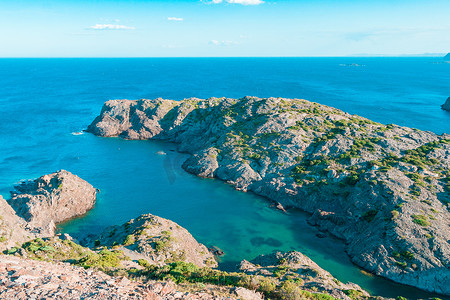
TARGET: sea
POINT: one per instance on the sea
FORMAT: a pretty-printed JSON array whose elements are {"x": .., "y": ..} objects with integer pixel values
[{"x": 46, "y": 103}]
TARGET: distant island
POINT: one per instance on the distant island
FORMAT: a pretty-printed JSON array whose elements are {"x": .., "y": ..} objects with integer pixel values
[
  {"x": 446, "y": 105},
  {"x": 384, "y": 189}
]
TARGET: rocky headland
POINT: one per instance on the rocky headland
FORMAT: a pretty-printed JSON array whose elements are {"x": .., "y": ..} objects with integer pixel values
[
  {"x": 37, "y": 205},
  {"x": 446, "y": 105},
  {"x": 384, "y": 189}
]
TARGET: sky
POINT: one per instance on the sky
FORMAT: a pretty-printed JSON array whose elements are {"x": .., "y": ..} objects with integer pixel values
[{"x": 216, "y": 28}]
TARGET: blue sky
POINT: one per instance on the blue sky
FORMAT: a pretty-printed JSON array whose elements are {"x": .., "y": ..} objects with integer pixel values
[{"x": 118, "y": 28}]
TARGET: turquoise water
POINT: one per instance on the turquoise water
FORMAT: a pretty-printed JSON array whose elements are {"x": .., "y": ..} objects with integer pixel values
[{"x": 44, "y": 101}]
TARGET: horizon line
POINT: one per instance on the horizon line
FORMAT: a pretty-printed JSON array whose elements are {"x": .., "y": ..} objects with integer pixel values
[{"x": 437, "y": 55}]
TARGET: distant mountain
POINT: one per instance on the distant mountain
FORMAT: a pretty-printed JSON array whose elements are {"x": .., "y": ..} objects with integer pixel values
[{"x": 447, "y": 57}]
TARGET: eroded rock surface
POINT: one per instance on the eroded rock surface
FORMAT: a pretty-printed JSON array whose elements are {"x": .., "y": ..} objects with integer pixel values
[
  {"x": 157, "y": 240},
  {"x": 51, "y": 199},
  {"x": 384, "y": 189}
]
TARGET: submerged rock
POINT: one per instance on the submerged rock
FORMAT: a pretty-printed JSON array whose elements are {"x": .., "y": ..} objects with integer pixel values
[
  {"x": 216, "y": 251},
  {"x": 384, "y": 189},
  {"x": 52, "y": 199}
]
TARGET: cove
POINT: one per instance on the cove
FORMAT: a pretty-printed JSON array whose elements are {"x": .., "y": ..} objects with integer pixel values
[{"x": 135, "y": 178}]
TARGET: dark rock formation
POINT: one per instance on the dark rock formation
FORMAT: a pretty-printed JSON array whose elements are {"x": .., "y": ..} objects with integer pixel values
[
  {"x": 157, "y": 240},
  {"x": 384, "y": 189},
  {"x": 52, "y": 199},
  {"x": 446, "y": 105}
]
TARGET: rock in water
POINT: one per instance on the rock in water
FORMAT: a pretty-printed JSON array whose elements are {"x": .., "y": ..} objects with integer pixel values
[
  {"x": 52, "y": 199},
  {"x": 446, "y": 105}
]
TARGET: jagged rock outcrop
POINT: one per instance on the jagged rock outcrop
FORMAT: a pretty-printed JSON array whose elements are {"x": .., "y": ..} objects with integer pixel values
[
  {"x": 51, "y": 199},
  {"x": 384, "y": 189},
  {"x": 36, "y": 206},
  {"x": 296, "y": 265},
  {"x": 13, "y": 229},
  {"x": 155, "y": 239},
  {"x": 446, "y": 105}
]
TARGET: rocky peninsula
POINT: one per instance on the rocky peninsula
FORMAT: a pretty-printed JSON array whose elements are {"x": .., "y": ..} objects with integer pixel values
[{"x": 383, "y": 189}]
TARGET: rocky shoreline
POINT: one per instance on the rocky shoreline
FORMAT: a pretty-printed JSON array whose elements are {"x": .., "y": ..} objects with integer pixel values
[
  {"x": 384, "y": 189},
  {"x": 145, "y": 258}
]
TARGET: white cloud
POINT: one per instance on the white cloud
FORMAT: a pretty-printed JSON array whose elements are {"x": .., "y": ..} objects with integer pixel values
[
  {"x": 222, "y": 43},
  {"x": 111, "y": 27},
  {"x": 243, "y": 2},
  {"x": 246, "y": 2},
  {"x": 174, "y": 19}
]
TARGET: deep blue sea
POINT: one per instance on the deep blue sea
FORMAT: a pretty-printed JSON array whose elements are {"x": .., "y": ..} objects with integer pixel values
[{"x": 43, "y": 102}]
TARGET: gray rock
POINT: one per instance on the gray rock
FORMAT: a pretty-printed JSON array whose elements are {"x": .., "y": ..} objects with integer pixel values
[{"x": 446, "y": 105}]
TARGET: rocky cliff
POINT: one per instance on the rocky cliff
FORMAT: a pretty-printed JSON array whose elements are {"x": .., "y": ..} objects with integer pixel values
[
  {"x": 446, "y": 105},
  {"x": 384, "y": 189},
  {"x": 13, "y": 229},
  {"x": 51, "y": 199},
  {"x": 37, "y": 205}
]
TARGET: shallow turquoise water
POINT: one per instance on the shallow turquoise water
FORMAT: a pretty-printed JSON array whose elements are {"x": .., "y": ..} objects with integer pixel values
[{"x": 44, "y": 100}]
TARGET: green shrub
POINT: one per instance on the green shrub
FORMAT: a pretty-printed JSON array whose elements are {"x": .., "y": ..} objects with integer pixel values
[
  {"x": 129, "y": 240},
  {"x": 143, "y": 263},
  {"x": 421, "y": 220},
  {"x": 103, "y": 260},
  {"x": 369, "y": 215}
]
